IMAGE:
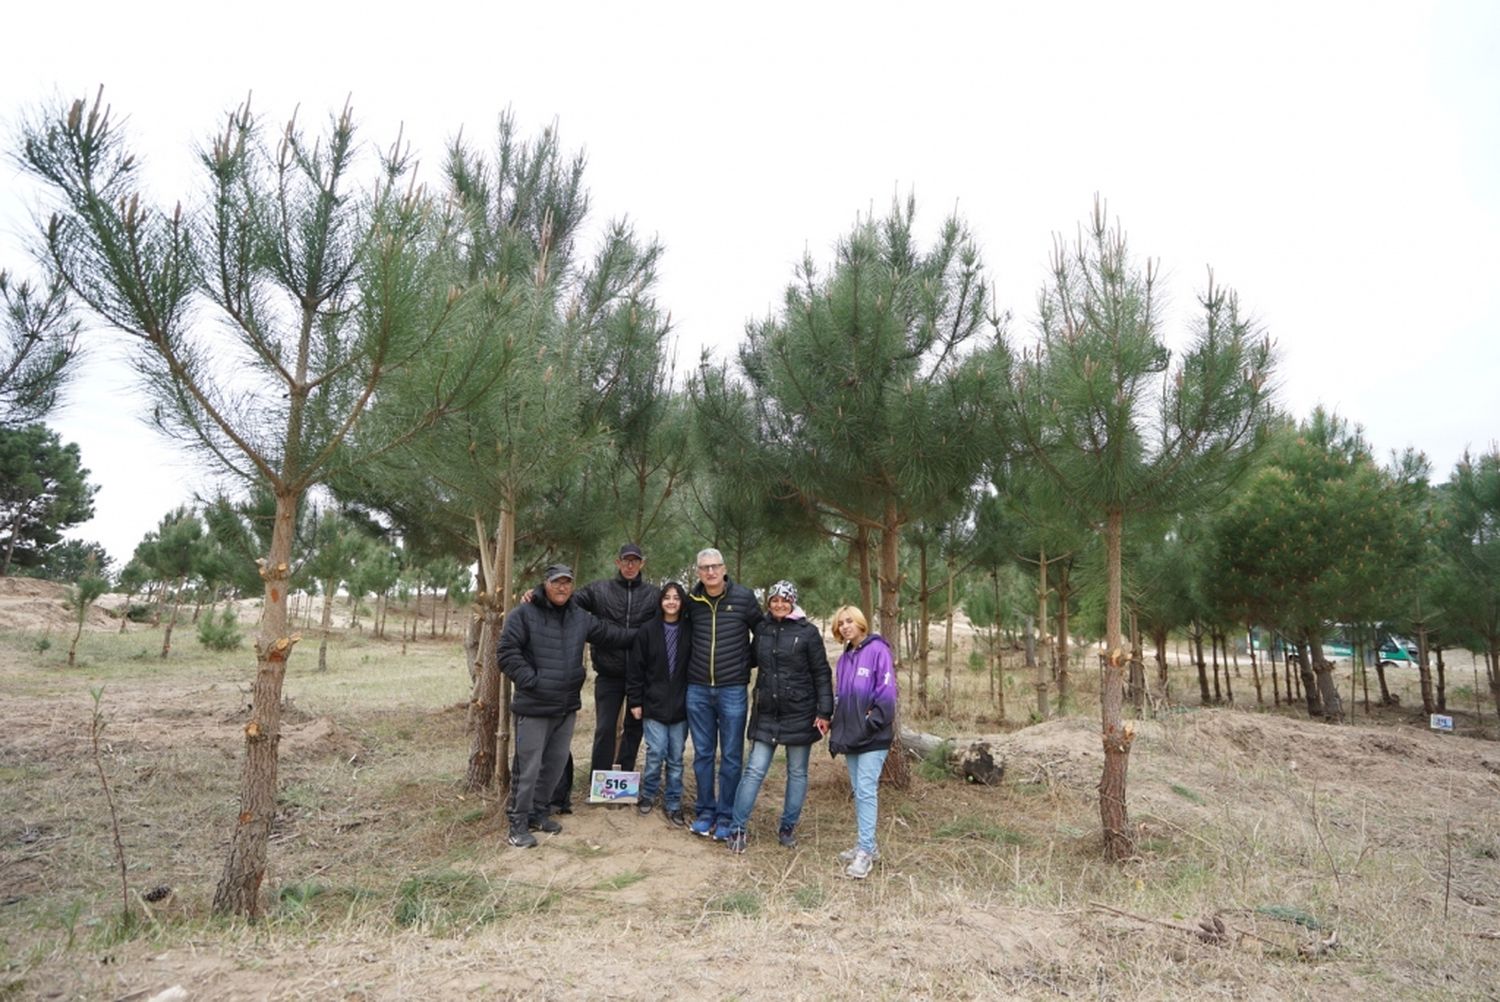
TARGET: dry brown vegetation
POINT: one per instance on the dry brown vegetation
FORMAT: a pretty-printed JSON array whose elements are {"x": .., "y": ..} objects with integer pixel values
[{"x": 388, "y": 882}]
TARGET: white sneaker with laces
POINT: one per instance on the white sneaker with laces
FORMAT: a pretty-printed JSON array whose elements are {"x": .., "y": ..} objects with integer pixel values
[{"x": 859, "y": 867}]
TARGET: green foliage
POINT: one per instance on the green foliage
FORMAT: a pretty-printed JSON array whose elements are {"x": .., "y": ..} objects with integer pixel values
[
  {"x": 71, "y": 559},
  {"x": 43, "y": 490},
  {"x": 1467, "y": 585},
  {"x": 866, "y": 401},
  {"x": 742, "y": 902},
  {"x": 1105, "y": 417},
  {"x": 221, "y": 631},
  {"x": 1187, "y": 794},
  {"x": 38, "y": 344},
  {"x": 934, "y": 765},
  {"x": 979, "y": 830},
  {"x": 620, "y": 881},
  {"x": 809, "y": 897},
  {"x": 1315, "y": 535}
]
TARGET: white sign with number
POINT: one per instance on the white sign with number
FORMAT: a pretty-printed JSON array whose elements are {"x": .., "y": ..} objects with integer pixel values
[
  {"x": 1442, "y": 722},
  {"x": 610, "y": 786}
]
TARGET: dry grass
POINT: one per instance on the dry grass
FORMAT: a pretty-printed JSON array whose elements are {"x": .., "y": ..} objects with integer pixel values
[{"x": 388, "y": 882}]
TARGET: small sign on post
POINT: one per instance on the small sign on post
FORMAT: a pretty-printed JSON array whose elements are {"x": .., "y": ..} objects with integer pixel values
[
  {"x": 610, "y": 786},
  {"x": 1442, "y": 722}
]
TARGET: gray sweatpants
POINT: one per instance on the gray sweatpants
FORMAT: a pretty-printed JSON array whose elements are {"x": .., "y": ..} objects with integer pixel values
[{"x": 542, "y": 746}]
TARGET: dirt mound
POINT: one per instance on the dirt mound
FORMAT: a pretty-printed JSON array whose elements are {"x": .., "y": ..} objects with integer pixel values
[{"x": 32, "y": 605}]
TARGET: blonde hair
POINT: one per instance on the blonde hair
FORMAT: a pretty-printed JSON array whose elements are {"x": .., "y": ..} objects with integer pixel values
[{"x": 854, "y": 615}]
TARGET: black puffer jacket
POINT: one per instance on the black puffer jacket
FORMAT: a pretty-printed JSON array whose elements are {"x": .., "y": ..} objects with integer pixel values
[
  {"x": 793, "y": 683},
  {"x": 623, "y": 603},
  {"x": 721, "y": 634},
  {"x": 661, "y": 695},
  {"x": 541, "y": 649}
]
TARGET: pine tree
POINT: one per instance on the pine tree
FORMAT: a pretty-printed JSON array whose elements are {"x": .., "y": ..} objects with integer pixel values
[
  {"x": 1103, "y": 414},
  {"x": 264, "y": 319}
]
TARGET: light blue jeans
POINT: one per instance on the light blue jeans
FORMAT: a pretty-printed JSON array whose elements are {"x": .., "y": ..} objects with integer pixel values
[
  {"x": 864, "y": 776},
  {"x": 664, "y": 748},
  {"x": 759, "y": 763},
  {"x": 716, "y": 717}
]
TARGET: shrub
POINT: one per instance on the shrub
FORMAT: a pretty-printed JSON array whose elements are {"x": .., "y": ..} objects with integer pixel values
[{"x": 221, "y": 632}]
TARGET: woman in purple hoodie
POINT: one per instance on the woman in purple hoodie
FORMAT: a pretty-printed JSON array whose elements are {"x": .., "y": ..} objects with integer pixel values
[{"x": 864, "y": 717}]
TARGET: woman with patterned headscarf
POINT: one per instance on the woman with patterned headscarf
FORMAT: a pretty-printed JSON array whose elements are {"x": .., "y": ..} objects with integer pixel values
[{"x": 792, "y": 705}]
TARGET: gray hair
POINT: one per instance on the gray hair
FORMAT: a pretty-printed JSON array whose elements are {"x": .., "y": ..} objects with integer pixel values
[{"x": 712, "y": 555}]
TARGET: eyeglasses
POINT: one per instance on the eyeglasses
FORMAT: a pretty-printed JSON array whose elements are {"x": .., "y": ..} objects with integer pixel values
[
  {"x": 710, "y": 567},
  {"x": 631, "y": 560}
]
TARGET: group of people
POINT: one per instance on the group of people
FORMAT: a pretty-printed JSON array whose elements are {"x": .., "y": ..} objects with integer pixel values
[{"x": 679, "y": 661}]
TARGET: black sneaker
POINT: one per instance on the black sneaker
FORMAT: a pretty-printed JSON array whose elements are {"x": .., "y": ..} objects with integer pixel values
[
  {"x": 562, "y": 809},
  {"x": 544, "y": 825},
  {"x": 737, "y": 841},
  {"x": 676, "y": 819},
  {"x": 520, "y": 837},
  {"x": 644, "y": 807},
  {"x": 787, "y": 836}
]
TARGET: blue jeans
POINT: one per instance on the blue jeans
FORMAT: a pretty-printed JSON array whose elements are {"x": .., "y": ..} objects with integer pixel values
[
  {"x": 664, "y": 748},
  {"x": 716, "y": 717},
  {"x": 864, "y": 776},
  {"x": 761, "y": 753}
]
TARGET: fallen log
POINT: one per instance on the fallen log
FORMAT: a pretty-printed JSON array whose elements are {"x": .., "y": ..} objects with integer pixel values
[{"x": 973, "y": 758}]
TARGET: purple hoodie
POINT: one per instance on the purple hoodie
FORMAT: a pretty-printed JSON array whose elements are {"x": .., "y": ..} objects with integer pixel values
[{"x": 864, "y": 712}]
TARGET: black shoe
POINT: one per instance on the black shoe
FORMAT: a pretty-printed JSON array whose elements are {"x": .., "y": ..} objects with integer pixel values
[
  {"x": 562, "y": 809},
  {"x": 544, "y": 825},
  {"x": 520, "y": 837},
  {"x": 676, "y": 819},
  {"x": 787, "y": 836},
  {"x": 644, "y": 807}
]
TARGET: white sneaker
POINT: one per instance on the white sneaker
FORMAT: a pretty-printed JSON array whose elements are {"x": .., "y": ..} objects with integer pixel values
[
  {"x": 859, "y": 866},
  {"x": 847, "y": 856}
]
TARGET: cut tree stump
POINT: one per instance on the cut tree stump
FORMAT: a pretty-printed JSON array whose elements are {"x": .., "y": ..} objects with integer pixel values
[{"x": 973, "y": 758}]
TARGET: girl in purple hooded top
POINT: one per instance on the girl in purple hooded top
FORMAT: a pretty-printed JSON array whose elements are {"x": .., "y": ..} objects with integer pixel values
[{"x": 863, "y": 726}]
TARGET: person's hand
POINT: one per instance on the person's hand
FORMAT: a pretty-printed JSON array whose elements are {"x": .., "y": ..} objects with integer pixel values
[
  {"x": 821, "y": 723},
  {"x": 635, "y": 711},
  {"x": 526, "y": 596}
]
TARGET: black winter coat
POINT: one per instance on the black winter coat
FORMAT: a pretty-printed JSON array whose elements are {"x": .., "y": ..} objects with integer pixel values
[
  {"x": 793, "y": 683},
  {"x": 541, "y": 649},
  {"x": 623, "y": 603},
  {"x": 721, "y": 634},
  {"x": 660, "y": 694}
]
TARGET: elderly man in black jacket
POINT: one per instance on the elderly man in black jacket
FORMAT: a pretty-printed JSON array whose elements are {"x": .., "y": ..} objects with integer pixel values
[
  {"x": 720, "y": 616},
  {"x": 541, "y": 649},
  {"x": 627, "y": 600}
]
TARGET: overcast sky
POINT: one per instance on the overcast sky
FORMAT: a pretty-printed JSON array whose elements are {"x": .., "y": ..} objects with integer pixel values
[{"x": 1336, "y": 163}]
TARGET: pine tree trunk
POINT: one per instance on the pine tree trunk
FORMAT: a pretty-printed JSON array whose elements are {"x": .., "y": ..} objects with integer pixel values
[
  {"x": 1332, "y": 705},
  {"x": 1117, "y": 737},
  {"x": 1038, "y": 671},
  {"x": 924, "y": 622},
  {"x": 897, "y": 772},
  {"x": 1260, "y": 693},
  {"x": 166, "y": 637},
  {"x": 1163, "y": 678},
  {"x": 1424, "y": 670},
  {"x": 1064, "y": 677},
  {"x": 238, "y": 892},
  {"x": 484, "y": 705},
  {"x": 1442, "y": 682},
  {"x": 948, "y": 646},
  {"x": 1204, "y": 696},
  {"x": 327, "y": 624},
  {"x": 1043, "y": 676},
  {"x": 1137, "y": 680}
]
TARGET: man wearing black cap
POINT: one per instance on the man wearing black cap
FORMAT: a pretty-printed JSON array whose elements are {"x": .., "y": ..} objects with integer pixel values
[
  {"x": 541, "y": 650},
  {"x": 626, "y": 600}
]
